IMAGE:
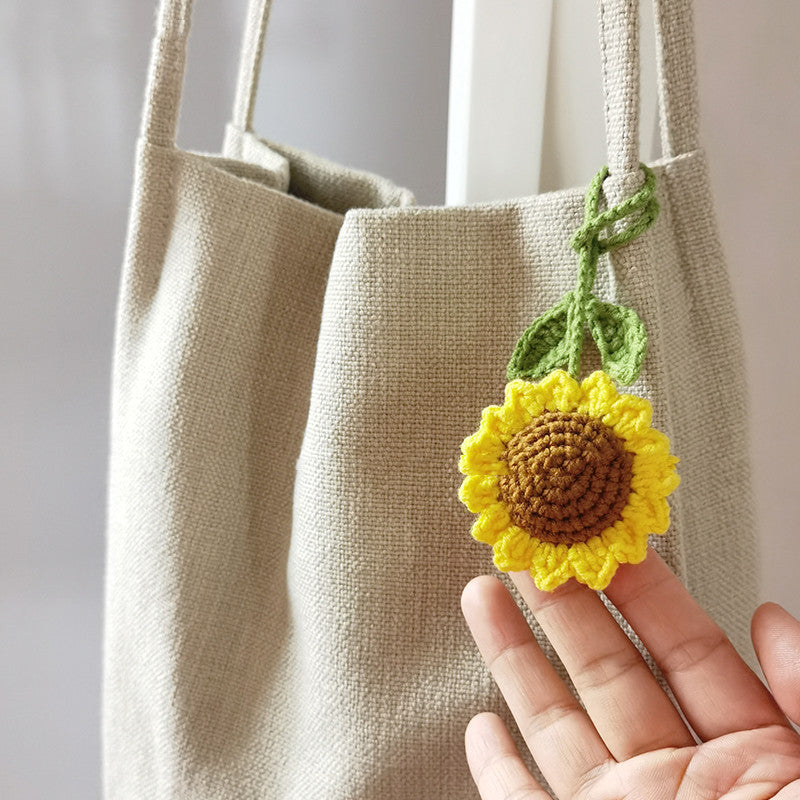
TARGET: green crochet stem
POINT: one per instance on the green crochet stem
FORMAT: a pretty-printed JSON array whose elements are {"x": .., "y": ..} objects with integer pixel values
[{"x": 555, "y": 339}]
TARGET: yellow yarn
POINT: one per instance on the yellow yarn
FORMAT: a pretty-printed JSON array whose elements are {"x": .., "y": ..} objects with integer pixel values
[{"x": 595, "y": 560}]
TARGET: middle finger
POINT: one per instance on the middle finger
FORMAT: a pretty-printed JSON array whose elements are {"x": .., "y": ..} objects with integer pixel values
[{"x": 631, "y": 712}]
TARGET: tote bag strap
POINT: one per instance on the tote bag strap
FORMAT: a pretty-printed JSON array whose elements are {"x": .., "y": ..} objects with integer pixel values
[
  {"x": 165, "y": 75},
  {"x": 619, "y": 41},
  {"x": 619, "y": 51},
  {"x": 679, "y": 106},
  {"x": 250, "y": 63},
  {"x": 168, "y": 67},
  {"x": 677, "y": 79}
]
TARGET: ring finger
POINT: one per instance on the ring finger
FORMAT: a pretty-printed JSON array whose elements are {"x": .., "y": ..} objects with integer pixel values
[{"x": 495, "y": 763}]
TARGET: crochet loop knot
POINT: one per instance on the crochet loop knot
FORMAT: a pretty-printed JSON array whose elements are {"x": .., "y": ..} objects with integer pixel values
[{"x": 643, "y": 206}]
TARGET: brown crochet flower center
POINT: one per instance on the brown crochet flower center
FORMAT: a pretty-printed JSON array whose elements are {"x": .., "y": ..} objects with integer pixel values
[{"x": 569, "y": 477}]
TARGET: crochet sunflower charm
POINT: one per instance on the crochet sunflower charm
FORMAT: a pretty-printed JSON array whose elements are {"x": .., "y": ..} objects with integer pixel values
[{"x": 569, "y": 479}]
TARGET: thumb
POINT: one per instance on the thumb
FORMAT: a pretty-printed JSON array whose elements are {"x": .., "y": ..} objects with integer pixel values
[{"x": 776, "y": 638}]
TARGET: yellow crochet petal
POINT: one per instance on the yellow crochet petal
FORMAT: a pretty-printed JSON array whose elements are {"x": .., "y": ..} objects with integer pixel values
[
  {"x": 637, "y": 513},
  {"x": 648, "y": 514},
  {"x": 598, "y": 393},
  {"x": 629, "y": 415},
  {"x": 493, "y": 422},
  {"x": 654, "y": 474},
  {"x": 591, "y": 563},
  {"x": 637, "y": 555},
  {"x": 561, "y": 391},
  {"x": 492, "y": 523},
  {"x": 599, "y": 578},
  {"x": 659, "y": 508},
  {"x": 515, "y": 550},
  {"x": 524, "y": 398},
  {"x": 515, "y": 418},
  {"x": 646, "y": 474},
  {"x": 625, "y": 543},
  {"x": 478, "y": 492},
  {"x": 648, "y": 440},
  {"x": 480, "y": 453},
  {"x": 550, "y": 566},
  {"x": 549, "y": 581}
]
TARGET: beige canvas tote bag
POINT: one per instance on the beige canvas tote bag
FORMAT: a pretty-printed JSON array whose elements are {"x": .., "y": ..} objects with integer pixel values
[{"x": 299, "y": 353}]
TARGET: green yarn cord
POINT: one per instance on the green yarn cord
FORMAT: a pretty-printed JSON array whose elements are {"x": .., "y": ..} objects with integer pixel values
[{"x": 555, "y": 339}]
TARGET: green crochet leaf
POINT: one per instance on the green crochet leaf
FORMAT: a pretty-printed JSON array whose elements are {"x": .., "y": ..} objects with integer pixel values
[
  {"x": 544, "y": 346},
  {"x": 620, "y": 337}
]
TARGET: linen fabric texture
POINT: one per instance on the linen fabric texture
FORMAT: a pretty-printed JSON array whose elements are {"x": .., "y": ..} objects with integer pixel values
[{"x": 299, "y": 352}]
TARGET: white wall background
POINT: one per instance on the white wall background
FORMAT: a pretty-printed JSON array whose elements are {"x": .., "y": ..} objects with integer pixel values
[{"x": 364, "y": 83}]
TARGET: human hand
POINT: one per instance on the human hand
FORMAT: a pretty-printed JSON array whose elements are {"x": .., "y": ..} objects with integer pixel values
[{"x": 631, "y": 741}]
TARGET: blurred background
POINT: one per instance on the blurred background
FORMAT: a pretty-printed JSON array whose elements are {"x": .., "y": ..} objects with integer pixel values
[{"x": 363, "y": 83}]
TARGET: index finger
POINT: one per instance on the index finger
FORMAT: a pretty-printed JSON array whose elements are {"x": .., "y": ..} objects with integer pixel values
[{"x": 716, "y": 690}]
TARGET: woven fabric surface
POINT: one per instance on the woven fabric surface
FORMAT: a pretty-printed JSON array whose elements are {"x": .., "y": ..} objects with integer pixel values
[{"x": 299, "y": 352}]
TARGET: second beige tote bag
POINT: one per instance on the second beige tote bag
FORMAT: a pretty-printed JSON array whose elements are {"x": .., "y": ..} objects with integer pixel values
[{"x": 299, "y": 353}]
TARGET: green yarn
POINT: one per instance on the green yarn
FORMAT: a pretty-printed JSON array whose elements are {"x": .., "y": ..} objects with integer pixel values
[{"x": 555, "y": 339}]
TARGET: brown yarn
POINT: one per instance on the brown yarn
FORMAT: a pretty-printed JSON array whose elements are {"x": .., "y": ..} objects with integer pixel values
[{"x": 569, "y": 477}]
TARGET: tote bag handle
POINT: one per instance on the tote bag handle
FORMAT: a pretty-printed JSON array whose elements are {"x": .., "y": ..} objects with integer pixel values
[
  {"x": 166, "y": 71},
  {"x": 678, "y": 100},
  {"x": 250, "y": 64},
  {"x": 168, "y": 66},
  {"x": 677, "y": 79},
  {"x": 619, "y": 43}
]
